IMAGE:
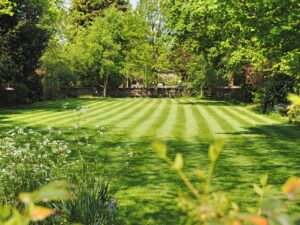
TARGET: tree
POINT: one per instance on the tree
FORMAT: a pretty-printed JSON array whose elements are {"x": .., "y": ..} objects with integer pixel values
[
  {"x": 23, "y": 37},
  {"x": 233, "y": 34},
  {"x": 83, "y": 12},
  {"x": 56, "y": 67},
  {"x": 158, "y": 43},
  {"x": 96, "y": 50},
  {"x": 135, "y": 47}
]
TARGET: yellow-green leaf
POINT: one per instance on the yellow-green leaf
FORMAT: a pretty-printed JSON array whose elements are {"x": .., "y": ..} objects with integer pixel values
[
  {"x": 201, "y": 175},
  {"x": 264, "y": 180},
  {"x": 161, "y": 149},
  {"x": 58, "y": 190},
  {"x": 294, "y": 98},
  {"x": 258, "y": 190},
  {"x": 178, "y": 163},
  {"x": 215, "y": 149}
]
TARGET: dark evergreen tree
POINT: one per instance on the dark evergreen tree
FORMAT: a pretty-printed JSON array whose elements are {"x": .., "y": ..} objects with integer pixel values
[
  {"x": 23, "y": 37},
  {"x": 84, "y": 11}
]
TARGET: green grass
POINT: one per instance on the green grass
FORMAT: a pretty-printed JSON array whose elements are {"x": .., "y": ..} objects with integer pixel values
[{"x": 256, "y": 145}]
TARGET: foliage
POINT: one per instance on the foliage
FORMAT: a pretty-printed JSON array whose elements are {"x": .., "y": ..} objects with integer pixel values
[
  {"x": 30, "y": 159},
  {"x": 83, "y": 12},
  {"x": 23, "y": 38},
  {"x": 202, "y": 74},
  {"x": 6, "y": 7},
  {"x": 294, "y": 109},
  {"x": 136, "y": 63},
  {"x": 99, "y": 45},
  {"x": 234, "y": 34},
  {"x": 274, "y": 92},
  {"x": 55, "y": 191},
  {"x": 152, "y": 12},
  {"x": 94, "y": 203},
  {"x": 59, "y": 74},
  {"x": 207, "y": 206}
]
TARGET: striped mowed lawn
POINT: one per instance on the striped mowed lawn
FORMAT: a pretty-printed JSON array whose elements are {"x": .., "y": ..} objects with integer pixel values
[{"x": 146, "y": 187}]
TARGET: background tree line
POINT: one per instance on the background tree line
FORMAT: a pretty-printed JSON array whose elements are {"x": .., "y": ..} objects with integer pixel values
[
  {"x": 226, "y": 38},
  {"x": 106, "y": 43}
]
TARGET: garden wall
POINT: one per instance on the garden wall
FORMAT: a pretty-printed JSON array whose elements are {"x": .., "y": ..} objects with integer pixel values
[
  {"x": 150, "y": 92},
  {"x": 231, "y": 93}
]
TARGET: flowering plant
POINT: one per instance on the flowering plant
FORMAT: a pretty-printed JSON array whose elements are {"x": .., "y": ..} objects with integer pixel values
[{"x": 29, "y": 159}]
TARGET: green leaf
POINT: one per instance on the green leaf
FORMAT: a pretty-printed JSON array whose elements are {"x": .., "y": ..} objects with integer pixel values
[
  {"x": 58, "y": 190},
  {"x": 264, "y": 180},
  {"x": 258, "y": 190},
  {"x": 5, "y": 211},
  {"x": 215, "y": 149},
  {"x": 161, "y": 149},
  {"x": 178, "y": 163},
  {"x": 201, "y": 175},
  {"x": 235, "y": 206},
  {"x": 294, "y": 98}
]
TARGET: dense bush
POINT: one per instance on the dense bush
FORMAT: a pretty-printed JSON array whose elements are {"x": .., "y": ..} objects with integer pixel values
[
  {"x": 294, "y": 113},
  {"x": 294, "y": 109},
  {"x": 29, "y": 159},
  {"x": 274, "y": 92}
]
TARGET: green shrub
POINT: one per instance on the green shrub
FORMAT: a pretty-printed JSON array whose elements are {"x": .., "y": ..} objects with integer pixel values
[
  {"x": 94, "y": 203},
  {"x": 294, "y": 109},
  {"x": 28, "y": 160},
  {"x": 274, "y": 92}
]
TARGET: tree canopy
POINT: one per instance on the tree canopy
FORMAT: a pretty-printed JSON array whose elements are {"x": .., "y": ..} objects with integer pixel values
[{"x": 109, "y": 44}]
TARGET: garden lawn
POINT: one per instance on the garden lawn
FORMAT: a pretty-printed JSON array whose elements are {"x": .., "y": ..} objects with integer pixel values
[{"x": 146, "y": 187}]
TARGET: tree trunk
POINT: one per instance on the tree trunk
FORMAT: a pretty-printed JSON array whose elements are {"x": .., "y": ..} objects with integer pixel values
[{"x": 105, "y": 85}]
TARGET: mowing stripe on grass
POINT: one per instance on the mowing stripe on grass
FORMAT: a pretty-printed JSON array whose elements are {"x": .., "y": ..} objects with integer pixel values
[
  {"x": 41, "y": 113},
  {"x": 213, "y": 125},
  {"x": 119, "y": 120},
  {"x": 166, "y": 129},
  {"x": 237, "y": 118},
  {"x": 191, "y": 125},
  {"x": 69, "y": 117},
  {"x": 256, "y": 116},
  {"x": 178, "y": 126},
  {"x": 140, "y": 117},
  {"x": 54, "y": 116},
  {"x": 268, "y": 123},
  {"x": 204, "y": 131},
  {"x": 156, "y": 126},
  {"x": 109, "y": 112},
  {"x": 143, "y": 129},
  {"x": 231, "y": 122},
  {"x": 243, "y": 116}
]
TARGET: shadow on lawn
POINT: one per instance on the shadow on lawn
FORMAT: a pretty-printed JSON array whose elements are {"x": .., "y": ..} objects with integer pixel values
[{"x": 269, "y": 149}]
